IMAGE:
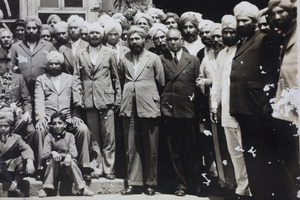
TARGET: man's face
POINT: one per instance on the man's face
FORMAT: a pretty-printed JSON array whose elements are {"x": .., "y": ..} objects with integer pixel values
[
  {"x": 245, "y": 25},
  {"x": 32, "y": 32},
  {"x": 95, "y": 38},
  {"x": 74, "y": 31},
  {"x": 45, "y": 34},
  {"x": 112, "y": 37},
  {"x": 62, "y": 36},
  {"x": 58, "y": 125},
  {"x": 174, "y": 40},
  {"x": 190, "y": 32},
  {"x": 6, "y": 40},
  {"x": 229, "y": 37},
  {"x": 159, "y": 40},
  {"x": 136, "y": 43},
  {"x": 124, "y": 36},
  {"x": 216, "y": 38},
  {"x": 143, "y": 23},
  {"x": 3, "y": 67},
  {"x": 156, "y": 18},
  {"x": 20, "y": 32},
  {"x": 84, "y": 34},
  {"x": 54, "y": 68},
  {"x": 4, "y": 129},
  {"x": 281, "y": 18},
  {"x": 171, "y": 23},
  {"x": 206, "y": 35},
  {"x": 52, "y": 22}
]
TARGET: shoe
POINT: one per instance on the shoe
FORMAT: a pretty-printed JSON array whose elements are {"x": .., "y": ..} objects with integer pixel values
[
  {"x": 110, "y": 176},
  {"x": 149, "y": 191},
  {"x": 38, "y": 175},
  {"x": 180, "y": 192},
  {"x": 42, "y": 193},
  {"x": 16, "y": 193},
  {"x": 131, "y": 190},
  {"x": 87, "y": 177},
  {"x": 87, "y": 192}
]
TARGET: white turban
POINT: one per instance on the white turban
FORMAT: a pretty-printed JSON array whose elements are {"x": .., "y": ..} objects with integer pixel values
[
  {"x": 119, "y": 17},
  {"x": 140, "y": 15},
  {"x": 216, "y": 27},
  {"x": 157, "y": 27},
  {"x": 158, "y": 12},
  {"x": 113, "y": 25},
  {"x": 60, "y": 25},
  {"x": 95, "y": 26},
  {"x": 228, "y": 21},
  {"x": 55, "y": 55},
  {"x": 6, "y": 117},
  {"x": 196, "y": 14},
  {"x": 205, "y": 23},
  {"x": 103, "y": 19},
  {"x": 34, "y": 19},
  {"x": 75, "y": 18},
  {"x": 249, "y": 9}
]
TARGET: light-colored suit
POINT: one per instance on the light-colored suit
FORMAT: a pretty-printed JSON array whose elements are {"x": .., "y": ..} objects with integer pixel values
[
  {"x": 96, "y": 88},
  {"x": 48, "y": 101},
  {"x": 140, "y": 108}
]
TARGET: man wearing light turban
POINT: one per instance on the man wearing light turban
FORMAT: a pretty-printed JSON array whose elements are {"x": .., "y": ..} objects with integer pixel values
[
  {"x": 53, "y": 19},
  {"x": 171, "y": 20},
  {"x": 61, "y": 34},
  {"x": 205, "y": 27},
  {"x": 254, "y": 66},
  {"x": 96, "y": 89},
  {"x": 84, "y": 31},
  {"x": 143, "y": 20},
  {"x": 158, "y": 34},
  {"x": 53, "y": 93},
  {"x": 157, "y": 15}
]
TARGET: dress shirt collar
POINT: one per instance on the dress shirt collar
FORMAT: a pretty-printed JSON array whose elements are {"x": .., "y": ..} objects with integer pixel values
[{"x": 178, "y": 54}]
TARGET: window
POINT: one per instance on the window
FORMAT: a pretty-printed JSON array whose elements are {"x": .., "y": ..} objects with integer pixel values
[{"x": 10, "y": 9}]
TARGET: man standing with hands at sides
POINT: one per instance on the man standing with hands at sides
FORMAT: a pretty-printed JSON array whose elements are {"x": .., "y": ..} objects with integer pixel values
[
  {"x": 141, "y": 76},
  {"x": 96, "y": 89}
]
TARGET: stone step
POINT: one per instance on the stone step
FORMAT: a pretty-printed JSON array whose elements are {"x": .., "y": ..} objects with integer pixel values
[{"x": 31, "y": 187}]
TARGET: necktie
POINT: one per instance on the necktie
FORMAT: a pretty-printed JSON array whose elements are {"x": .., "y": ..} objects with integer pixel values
[{"x": 175, "y": 58}]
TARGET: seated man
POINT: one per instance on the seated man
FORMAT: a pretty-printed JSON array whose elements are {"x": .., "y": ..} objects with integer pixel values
[
  {"x": 60, "y": 152},
  {"x": 53, "y": 93},
  {"x": 14, "y": 153}
]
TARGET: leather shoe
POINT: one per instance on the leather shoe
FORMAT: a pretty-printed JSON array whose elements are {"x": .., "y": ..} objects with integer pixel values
[
  {"x": 110, "y": 176},
  {"x": 87, "y": 177},
  {"x": 131, "y": 190},
  {"x": 149, "y": 191}
]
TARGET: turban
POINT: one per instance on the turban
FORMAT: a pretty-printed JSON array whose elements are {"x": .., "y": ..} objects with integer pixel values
[
  {"x": 189, "y": 17},
  {"x": 228, "y": 21},
  {"x": 53, "y": 17},
  {"x": 60, "y": 25},
  {"x": 103, "y": 19},
  {"x": 34, "y": 19},
  {"x": 46, "y": 27},
  {"x": 85, "y": 26},
  {"x": 95, "y": 26},
  {"x": 140, "y": 15},
  {"x": 113, "y": 25},
  {"x": 136, "y": 29},
  {"x": 55, "y": 55},
  {"x": 5, "y": 29},
  {"x": 157, "y": 27},
  {"x": 172, "y": 15},
  {"x": 216, "y": 27},
  {"x": 130, "y": 13},
  {"x": 119, "y": 17},
  {"x": 6, "y": 117},
  {"x": 245, "y": 7},
  {"x": 285, "y": 4},
  {"x": 158, "y": 12},
  {"x": 205, "y": 23},
  {"x": 126, "y": 26},
  {"x": 75, "y": 18}
]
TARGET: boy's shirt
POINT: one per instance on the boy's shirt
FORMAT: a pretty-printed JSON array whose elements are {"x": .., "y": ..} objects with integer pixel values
[{"x": 63, "y": 144}]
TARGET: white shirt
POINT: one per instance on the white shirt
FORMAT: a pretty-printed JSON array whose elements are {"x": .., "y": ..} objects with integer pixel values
[
  {"x": 178, "y": 54},
  {"x": 116, "y": 49},
  {"x": 194, "y": 47},
  {"x": 136, "y": 61},
  {"x": 56, "y": 81},
  {"x": 94, "y": 52},
  {"x": 31, "y": 46},
  {"x": 75, "y": 46}
]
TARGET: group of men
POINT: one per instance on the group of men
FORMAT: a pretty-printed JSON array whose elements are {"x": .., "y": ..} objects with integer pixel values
[{"x": 172, "y": 81}]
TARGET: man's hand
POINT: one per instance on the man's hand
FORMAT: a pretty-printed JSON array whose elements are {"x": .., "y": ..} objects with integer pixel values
[
  {"x": 68, "y": 160},
  {"x": 213, "y": 115},
  {"x": 208, "y": 83},
  {"x": 42, "y": 123},
  {"x": 56, "y": 156},
  {"x": 30, "y": 167},
  {"x": 76, "y": 121},
  {"x": 26, "y": 117}
]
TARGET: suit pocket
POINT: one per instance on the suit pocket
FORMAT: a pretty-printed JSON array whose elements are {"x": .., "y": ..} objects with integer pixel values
[{"x": 110, "y": 95}]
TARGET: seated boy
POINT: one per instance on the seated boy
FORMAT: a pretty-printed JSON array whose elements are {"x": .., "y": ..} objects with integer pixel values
[
  {"x": 60, "y": 152},
  {"x": 15, "y": 154}
]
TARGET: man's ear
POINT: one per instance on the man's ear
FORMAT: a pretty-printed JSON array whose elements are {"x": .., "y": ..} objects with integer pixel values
[{"x": 294, "y": 12}]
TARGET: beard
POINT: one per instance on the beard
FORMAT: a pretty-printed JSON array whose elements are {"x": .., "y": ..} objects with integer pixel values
[
  {"x": 62, "y": 41},
  {"x": 190, "y": 37},
  {"x": 74, "y": 36},
  {"x": 162, "y": 47},
  {"x": 54, "y": 71},
  {"x": 230, "y": 41},
  {"x": 245, "y": 31},
  {"x": 95, "y": 42},
  {"x": 206, "y": 42},
  {"x": 136, "y": 48},
  {"x": 31, "y": 37}
]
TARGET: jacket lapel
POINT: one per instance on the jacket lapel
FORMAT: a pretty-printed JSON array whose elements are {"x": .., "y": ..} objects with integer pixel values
[
  {"x": 246, "y": 45},
  {"x": 38, "y": 47},
  {"x": 130, "y": 64},
  {"x": 69, "y": 56},
  {"x": 142, "y": 64},
  {"x": 49, "y": 83},
  {"x": 63, "y": 83},
  {"x": 101, "y": 55},
  {"x": 9, "y": 143},
  {"x": 183, "y": 62},
  {"x": 86, "y": 56}
]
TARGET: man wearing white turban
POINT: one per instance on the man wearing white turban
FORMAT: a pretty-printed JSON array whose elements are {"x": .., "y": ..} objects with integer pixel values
[
  {"x": 53, "y": 93},
  {"x": 61, "y": 34},
  {"x": 220, "y": 95},
  {"x": 96, "y": 89},
  {"x": 157, "y": 15},
  {"x": 158, "y": 35},
  {"x": 254, "y": 61}
]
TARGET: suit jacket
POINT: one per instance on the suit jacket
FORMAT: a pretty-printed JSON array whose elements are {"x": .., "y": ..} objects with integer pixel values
[
  {"x": 48, "y": 100},
  {"x": 179, "y": 95},
  {"x": 13, "y": 149},
  {"x": 96, "y": 86},
  {"x": 69, "y": 59},
  {"x": 247, "y": 74},
  {"x": 144, "y": 86}
]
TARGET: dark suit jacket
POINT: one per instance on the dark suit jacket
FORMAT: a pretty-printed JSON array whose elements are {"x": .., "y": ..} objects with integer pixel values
[
  {"x": 96, "y": 86},
  {"x": 179, "y": 95},
  {"x": 247, "y": 74}
]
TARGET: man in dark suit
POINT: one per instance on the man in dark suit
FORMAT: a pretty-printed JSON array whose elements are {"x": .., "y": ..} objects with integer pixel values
[
  {"x": 141, "y": 76},
  {"x": 178, "y": 110},
  {"x": 96, "y": 88}
]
